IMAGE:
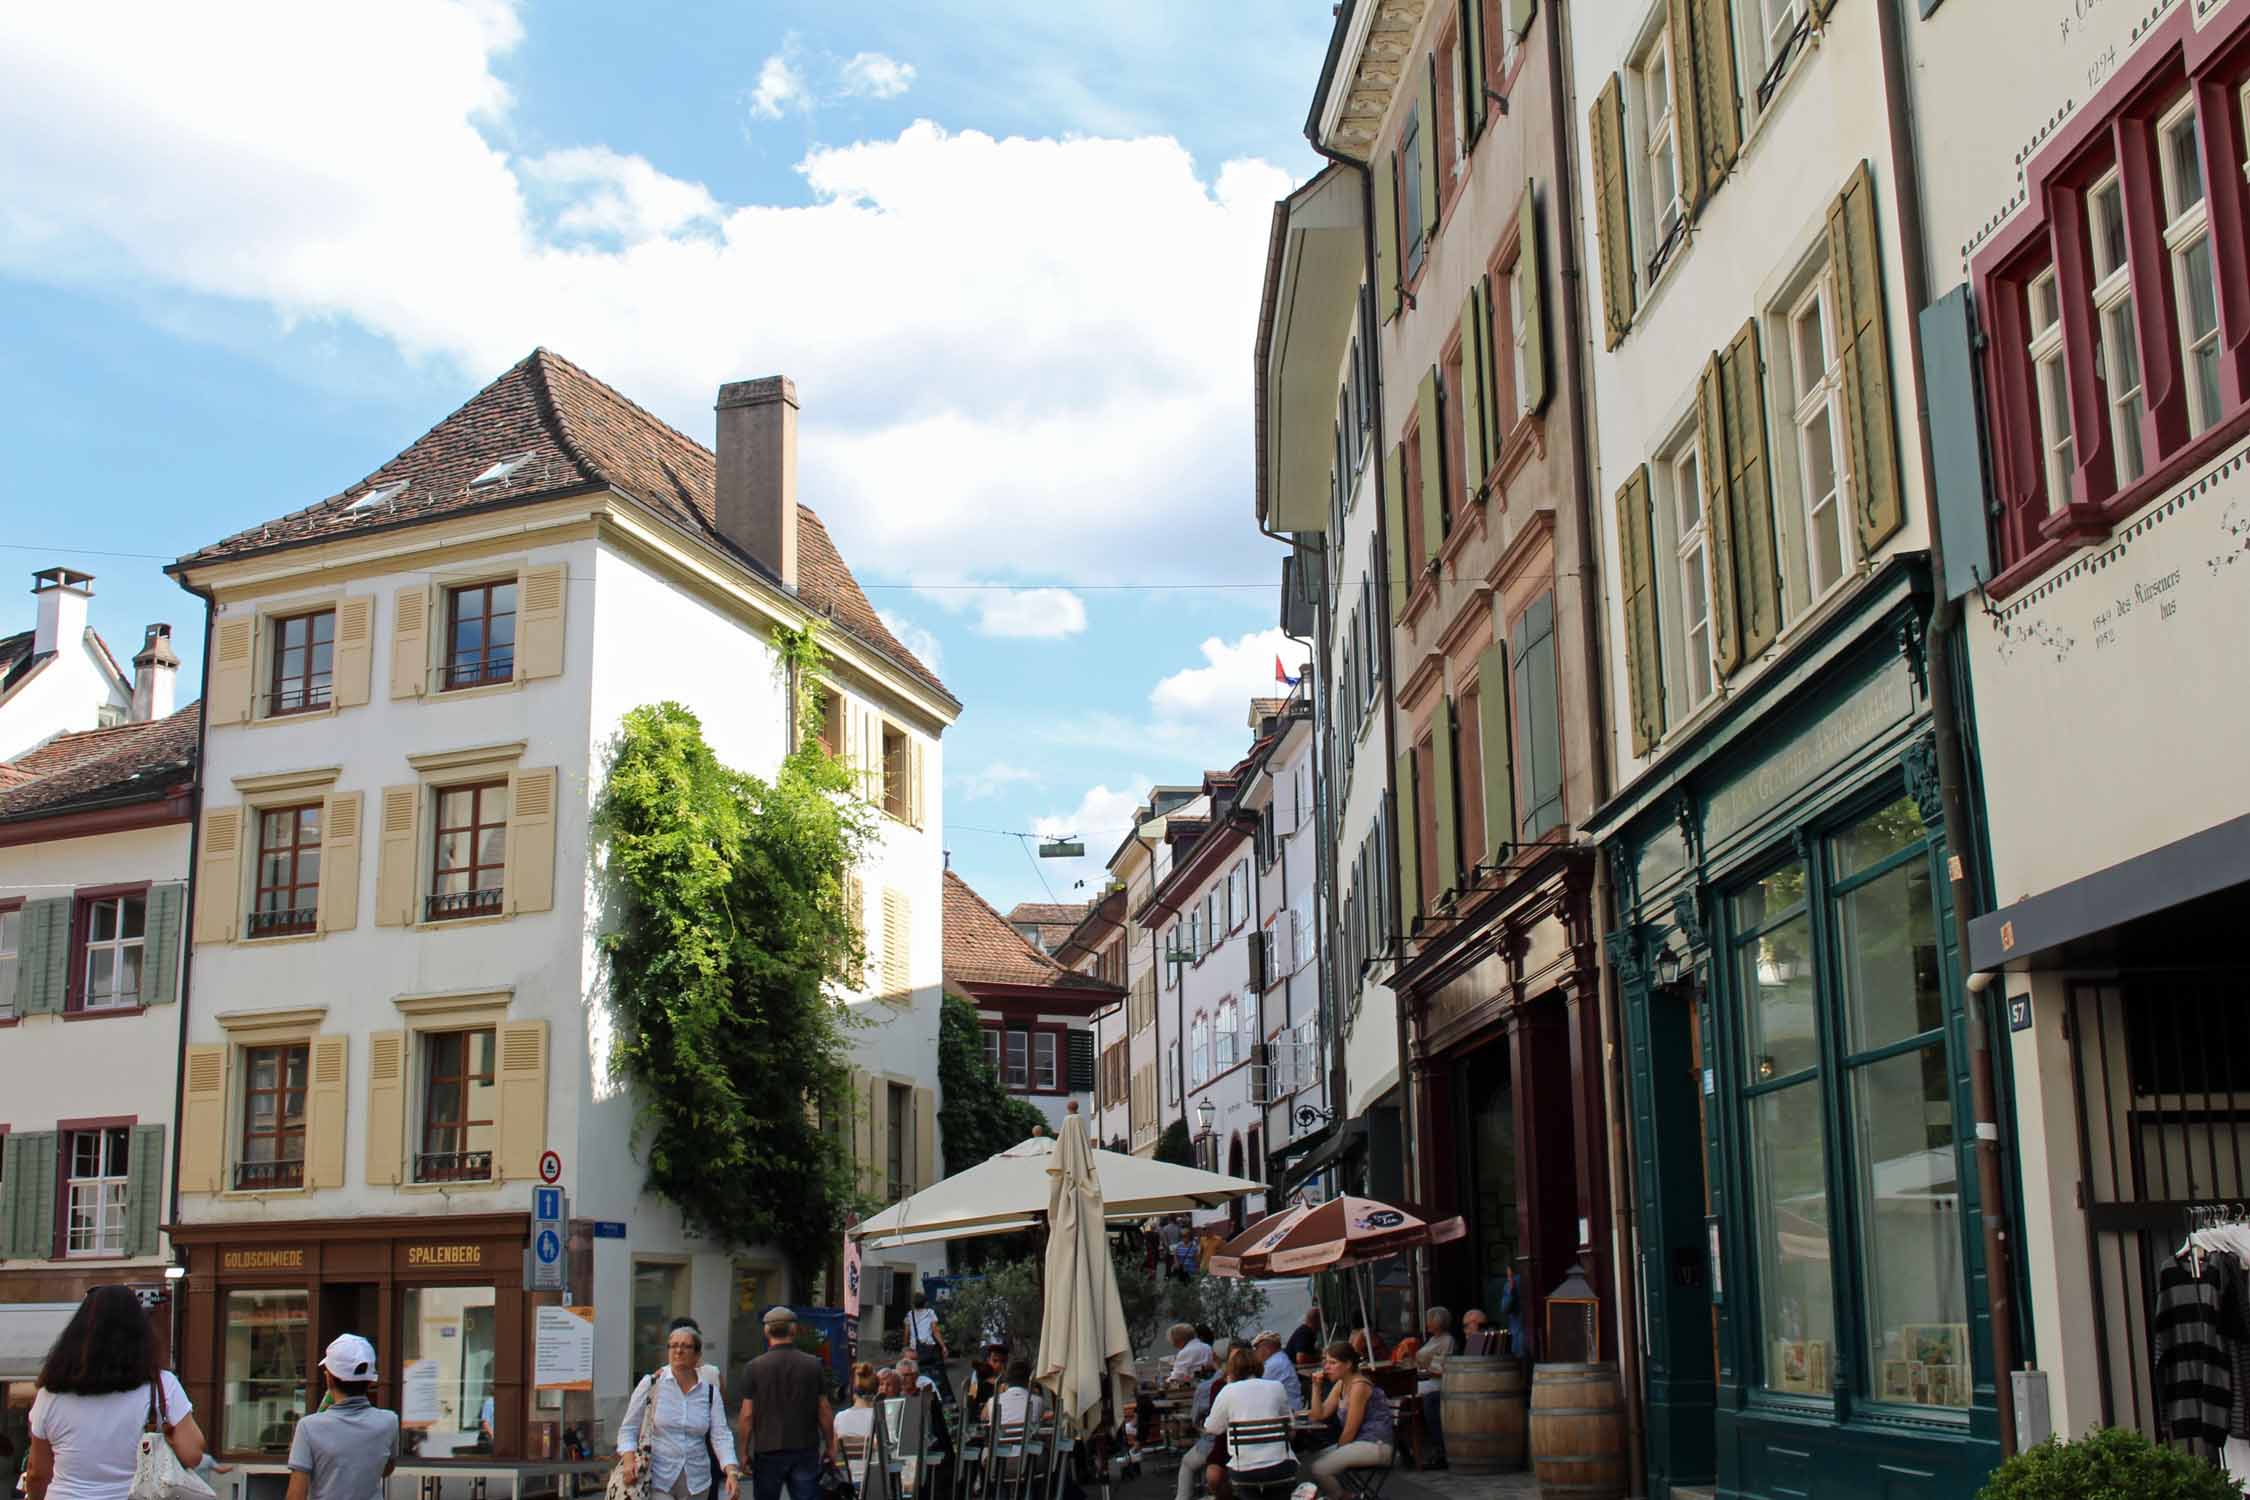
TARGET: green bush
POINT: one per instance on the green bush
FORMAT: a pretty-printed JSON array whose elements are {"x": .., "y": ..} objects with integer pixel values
[{"x": 2110, "y": 1463}]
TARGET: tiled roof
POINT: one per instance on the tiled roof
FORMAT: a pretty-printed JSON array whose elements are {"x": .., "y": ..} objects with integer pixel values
[
  {"x": 1266, "y": 708},
  {"x": 16, "y": 658},
  {"x": 572, "y": 433},
  {"x": 981, "y": 948},
  {"x": 101, "y": 765},
  {"x": 1056, "y": 920}
]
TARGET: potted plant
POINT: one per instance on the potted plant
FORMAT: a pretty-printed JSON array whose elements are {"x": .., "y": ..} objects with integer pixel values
[{"x": 2109, "y": 1463}]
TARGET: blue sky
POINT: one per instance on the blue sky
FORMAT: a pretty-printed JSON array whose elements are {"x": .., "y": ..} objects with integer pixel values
[{"x": 1010, "y": 252}]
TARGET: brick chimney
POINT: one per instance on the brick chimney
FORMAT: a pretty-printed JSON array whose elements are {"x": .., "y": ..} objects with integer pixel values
[
  {"x": 62, "y": 594},
  {"x": 155, "y": 670},
  {"x": 757, "y": 495}
]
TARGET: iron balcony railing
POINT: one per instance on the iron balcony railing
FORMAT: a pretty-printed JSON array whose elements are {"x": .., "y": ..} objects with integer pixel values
[
  {"x": 478, "y": 903},
  {"x": 453, "y": 1166}
]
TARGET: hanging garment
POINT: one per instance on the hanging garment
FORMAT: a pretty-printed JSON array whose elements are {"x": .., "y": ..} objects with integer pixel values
[{"x": 2194, "y": 1368}]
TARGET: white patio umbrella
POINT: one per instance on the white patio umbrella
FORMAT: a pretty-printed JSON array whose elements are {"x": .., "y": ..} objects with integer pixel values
[{"x": 1084, "y": 1351}]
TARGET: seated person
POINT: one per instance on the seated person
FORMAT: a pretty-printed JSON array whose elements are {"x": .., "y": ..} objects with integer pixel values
[
  {"x": 984, "y": 1376},
  {"x": 1274, "y": 1365},
  {"x": 1364, "y": 1439},
  {"x": 1017, "y": 1401},
  {"x": 856, "y": 1421},
  {"x": 1478, "y": 1336},
  {"x": 1247, "y": 1397},
  {"x": 1192, "y": 1354}
]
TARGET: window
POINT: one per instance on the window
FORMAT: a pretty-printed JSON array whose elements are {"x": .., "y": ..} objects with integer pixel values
[
  {"x": 1170, "y": 956},
  {"x": 480, "y": 634},
  {"x": 992, "y": 1050},
  {"x": 1538, "y": 716},
  {"x": 1692, "y": 553},
  {"x": 1043, "y": 1069},
  {"x": 11, "y": 945},
  {"x": 897, "y": 798},
  {"x": 471, "y": 854},
  {"x": 2187, "y": 239},
  {"x": 458, "y": 1107},
  {"x": 894, "y": 1142},
  {"x": 1224, "y": 1043},
  {"x": 1660, "y": 149},
  {"x": 832, "y": 722},
  {"x": 304, "y": 653},
  {"x": 2113, "y": 312},
  {"x": 288, "y": 870},
  {"x": 1817, "y": 372},
  {"x": 2058, "y": 450},
  {"x": 100, "y": 1164},
  {"x": 268, "y": 1357},
  {"x": 1019, "y": 1060},
  {"x": 113, "y": 931},
  {"x": 1781, "y": 18},
  {"x": 1238, "y": 893},
  {"x": 273, "y": 1117},
  {"x": 456, "y": 1329},
  {"x": 1199, "y": 1057}
]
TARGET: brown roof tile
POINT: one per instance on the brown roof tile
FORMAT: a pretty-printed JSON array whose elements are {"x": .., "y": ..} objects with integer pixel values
[
  {"x": 101, "y": 764},
  {"x": 980, "y": 946},
  {"x": 572, "y": 432}
]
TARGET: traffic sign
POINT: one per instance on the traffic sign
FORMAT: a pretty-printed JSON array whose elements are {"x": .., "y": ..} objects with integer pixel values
[
  {"x": 550, "y": 1167},
  {"x": 548, "y": 1248},
  {"x": 546, "y": 1203}
]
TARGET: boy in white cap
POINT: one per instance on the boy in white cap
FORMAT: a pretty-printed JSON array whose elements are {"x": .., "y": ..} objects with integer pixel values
[{"x": 346, "y": 1450}]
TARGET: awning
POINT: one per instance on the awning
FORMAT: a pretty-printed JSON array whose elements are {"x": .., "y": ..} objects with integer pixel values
[
  {"x": 1322, "y": 252},
  {"x": 1343, "y": 1139},
  {"x": 2047, "y": 927},
  {"x": 27, "y": 1331}
]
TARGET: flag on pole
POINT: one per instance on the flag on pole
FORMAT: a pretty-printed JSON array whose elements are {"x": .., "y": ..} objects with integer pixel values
[{"x": 1281, "y": 676}]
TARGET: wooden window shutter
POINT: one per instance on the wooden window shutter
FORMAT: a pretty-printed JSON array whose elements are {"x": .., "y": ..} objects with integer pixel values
[
  {"x": 325, "y": 1112},
  {"x": 1433, "y": 465},
  {"x": 410, "y": 642},
  {"x": 33, "y": 1156},
  {"x": 354, "y": 659},
  {"x": 1711, "y": 455},
  {"x": 396, "y": 859},
  {"x": 1644, "y": 677},
  {"x": 144, "y": 1190},
  {"x": 879, "y": 1136},
  {"x": 1864, "y": 350},
  {"x": 1613, "y": 220},
  {"x": 386, "y": 1107},
  {"x": 1519, "y": 17},
  {"x": 1425, "y": 148},
  {"x": 1473, "y": 445},
  {"x": 861, "y": 1119},
  {"x": 1471, "y": 54},
  {"x": 539, "y": 626},
  {"x": 218, "y": 878},
  {"x": 1409, "y": 857},
  {"x": 1531, "y": 269},
  {"x": 11, "y": 1172},
  {"x": 917, "y": 785},
  {"x": 1718, "y": 99},
  {"x": 1687, "y": 131},
  {"x": 1757, "y": 573},
  {"x": 43, "y": 960},
  {"x": 925, "y": 1139},
  {"x": 528, "y": 880},
  {"x": 1446, "y": 820},
  {"x": 523, "y": 1099},
  {"x": 1394, "y": 526},
  {"x": 233, "y": 661},
  {"x": 336, "y": 903},
  {"x": 1498, "y": 751},
  {"x": 898, "y": 945},
  {"x": 167, "y": 907},
  {"x": 203, "y": 1119},
  {"x": 1386, "y": 234}
]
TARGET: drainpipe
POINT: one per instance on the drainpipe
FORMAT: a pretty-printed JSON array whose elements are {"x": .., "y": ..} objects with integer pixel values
[
  {"x": 187, "y": 943},
  {"x": 1952, "y": 759}
]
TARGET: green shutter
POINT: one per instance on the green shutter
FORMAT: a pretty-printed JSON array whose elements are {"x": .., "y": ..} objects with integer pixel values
[
  {"x": 1687, "y": 133},
  {"x": 1757, "y": 573},
  {"x": 1497, "y": 747},
  {"x": 1613, "y": 221},
  {"x": 43, "y": 964},
  {"x": 1864, "y": 350},
  {"x": 11, "y": 1172},
  {"x": 1394, "y": 526},
  {"x": 1408, "y": 824},
  {"x": 1425, "y": 146},
  {"x": 1532, "y": 277},
  {"x": 1519, "y": 17},
  {"x": 1386, "y": 234},
  {"x": 1474, "y": 446},
  {"x": 167, "y": 904},
  {"x": 31, "y": 1193},
  {"x": 1718, "y": 102},
  {"x": 1822, "y": 8},
  {"x": 1471, "y": 53},
  {"x": 144, "y": 1190},
  {"x": 1711, "y": 463},
  {"x": 1447, "y": 819},
  {"x": 1644, "y": 677},
  {"x": 1433, "y": 464}
]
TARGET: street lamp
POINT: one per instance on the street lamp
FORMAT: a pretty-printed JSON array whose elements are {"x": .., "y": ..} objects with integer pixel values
[{"x": 1203, "y": 1114}]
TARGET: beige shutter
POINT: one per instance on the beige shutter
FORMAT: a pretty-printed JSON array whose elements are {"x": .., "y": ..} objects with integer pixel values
[
  {"x": 540, "y": 596},
  {"x": 325, "y": 1113},
  {"x": 1475, "y": 449},
  {"x": 386, "y": 1107},
  {"x": 395, "y": 861},
  {"x": 1757, "y": 574},
  {"x": 233, "y": 655},
  {"x": 1711, "y": 456},
  {"x": 1498, "y": 749},
  {"x": 1687, "y": 130},
  {"x": 917, "y": 788},
  {"x": 218, "y": 894},
  {"x": 355, "y": 650},
  {"x": 1441, "y": 790},
  {"x": 1613, "y": 221},
  {"x": 1433, "y": 465},
  {"x": 1864, "y": 351},
  {"x": 879, "y": 1135},
  {"x": 1531, "y": 269},
  {"x": 523, "y": 1099},
  {"x": 1394, "y": 527},
  {"x": 1386, "y": 235},
  {"x": 898, "y": 945},
  {"x": 1405, "y": 827},
  {"x": 860, "y": 1121},
  {"x": 1425, "y": 140},
  {"x": 1718, "y": 101},
  {"x": 410, "y": 642},
  {"x": 1644, "y": 677},
  {"x": 528, "y": 879},
  {"x": 336, "y": 904},
  {"x": 203, "y": 1119},
  {"x": 925, "y": 1139}
]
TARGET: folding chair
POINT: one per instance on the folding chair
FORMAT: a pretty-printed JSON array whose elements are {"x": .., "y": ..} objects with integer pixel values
[
  {"x": 1241, "y": 1435},
  {"x": 854, "y": 1449},
  {"x": 1367, "y": 1483}
]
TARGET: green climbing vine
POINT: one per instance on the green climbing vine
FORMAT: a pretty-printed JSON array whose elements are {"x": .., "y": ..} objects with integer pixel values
[{"x": 731, "y": 937}]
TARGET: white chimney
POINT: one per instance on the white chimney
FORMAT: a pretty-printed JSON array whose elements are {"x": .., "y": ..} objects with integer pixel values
[
  {"x": 757, "y": 487},
  {"x": 155, "y": 670},
  {"x": 62, "y": 594}
]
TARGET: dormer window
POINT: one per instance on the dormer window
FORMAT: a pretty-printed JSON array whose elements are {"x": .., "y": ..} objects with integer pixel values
[
  {"x": 500, "y": 471},
  {"x": 376, "y": 498}
]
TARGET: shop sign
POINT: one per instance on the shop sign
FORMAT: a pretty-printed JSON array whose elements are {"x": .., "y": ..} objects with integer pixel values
[
  {"x": 470, "y": 1255},
  {"x": 262, "y": 1260},
  {"x": 1870, "y": 709}
]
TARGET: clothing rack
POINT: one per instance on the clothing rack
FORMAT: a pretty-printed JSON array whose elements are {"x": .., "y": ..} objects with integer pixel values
[{"x": 2212, "y": 1215}]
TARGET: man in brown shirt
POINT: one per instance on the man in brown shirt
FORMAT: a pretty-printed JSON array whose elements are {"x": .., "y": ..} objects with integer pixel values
[{"x": 786, "y": 1422}]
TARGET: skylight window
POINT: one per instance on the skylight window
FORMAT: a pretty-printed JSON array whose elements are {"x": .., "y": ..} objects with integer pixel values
[
  {"x": 500, "y": 471},
  {"x": 373, "y": 498}
]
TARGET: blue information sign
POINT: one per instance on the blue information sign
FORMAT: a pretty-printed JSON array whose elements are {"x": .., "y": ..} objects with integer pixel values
[
  {"x": 546, "y": 1203},
  {"x": 609, "y": 1229},
  {"x": 548, "y": 1247}
]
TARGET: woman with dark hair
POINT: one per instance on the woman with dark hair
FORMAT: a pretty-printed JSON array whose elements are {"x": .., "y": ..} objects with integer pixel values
[
  {"x": 1364, "y": 1438},
  {"x": 97, "y": 1390}
]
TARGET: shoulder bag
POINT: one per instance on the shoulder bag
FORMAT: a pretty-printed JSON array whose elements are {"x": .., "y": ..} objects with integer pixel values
[
  {"x": 158, "y": 1473},
  {"x": 621, "y": 1488}
]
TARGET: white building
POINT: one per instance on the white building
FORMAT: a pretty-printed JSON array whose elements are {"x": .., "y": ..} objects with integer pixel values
[
  {"x": 1289, "y": 1080},
  {"x": 59, "y": 676},
  {"x": 401, "y": 1007}
]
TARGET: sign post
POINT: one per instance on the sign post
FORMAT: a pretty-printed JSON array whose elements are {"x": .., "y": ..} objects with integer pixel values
[{"x": 550, "y": 1212}]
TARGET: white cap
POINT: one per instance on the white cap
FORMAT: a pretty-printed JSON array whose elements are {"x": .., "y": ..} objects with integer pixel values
[{"x": 350, "y": 1357}]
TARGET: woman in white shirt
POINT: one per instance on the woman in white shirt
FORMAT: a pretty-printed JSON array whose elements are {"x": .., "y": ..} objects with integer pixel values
[
  {"x": 856, "y": 1421},
  {"x": 687, "y": 1413},
  {"x": 97, "y": 1391},
  {"x": 1247, "y": 1397}
]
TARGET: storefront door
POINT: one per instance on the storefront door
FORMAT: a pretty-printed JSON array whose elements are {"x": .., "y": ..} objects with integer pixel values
[{"x": 1483, "y": 1083}]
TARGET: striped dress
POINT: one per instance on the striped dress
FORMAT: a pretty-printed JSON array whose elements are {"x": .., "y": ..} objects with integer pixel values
[{"x": 2194, "y": 1367}]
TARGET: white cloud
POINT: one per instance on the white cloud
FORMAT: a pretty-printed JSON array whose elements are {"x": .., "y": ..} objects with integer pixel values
[
  {"x": 875, "y": 76},
  {"x": 1030, "y": 614},
  {"x": 1232, "y": 673},
  {"x": 1102, "y": 818},
  {"x": 1032, "y": 339},
  {"x": 781, "y": 87},
  {"x": 994, "y": 779},
  {"x": 921, "y": 642}
]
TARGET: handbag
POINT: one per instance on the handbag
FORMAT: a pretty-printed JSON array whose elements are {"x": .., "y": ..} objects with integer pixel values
[
  {"x": 621, "y": 1488},
  {"x": 158, "y": 1473}
]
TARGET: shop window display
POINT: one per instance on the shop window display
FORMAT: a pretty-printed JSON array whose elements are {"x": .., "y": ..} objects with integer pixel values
[
  {"x": 660, "y": 1294},
  {"x": 268, "y": 1337},
  {"x": 450, "y": 1340}
]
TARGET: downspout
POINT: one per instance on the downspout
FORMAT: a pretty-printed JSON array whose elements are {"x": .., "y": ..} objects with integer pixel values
[
  {"x": 187, "y": 934},
  {"x": 1952, "y": 762},
  {"x": 1624, "y": 1261}
]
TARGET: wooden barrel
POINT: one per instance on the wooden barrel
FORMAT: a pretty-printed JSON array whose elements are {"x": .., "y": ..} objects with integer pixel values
[
  {"x": 1481, "y": 1401},
  {"x": 1577, "y": 1432}
]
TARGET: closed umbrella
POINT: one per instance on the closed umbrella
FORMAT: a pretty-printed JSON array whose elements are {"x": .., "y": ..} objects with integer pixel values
[{"x": 1084, "y": 1350}]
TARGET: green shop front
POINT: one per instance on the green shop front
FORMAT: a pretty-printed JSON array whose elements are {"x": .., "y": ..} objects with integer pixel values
[{"x": 1813, "y": 1312}]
